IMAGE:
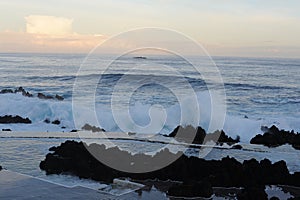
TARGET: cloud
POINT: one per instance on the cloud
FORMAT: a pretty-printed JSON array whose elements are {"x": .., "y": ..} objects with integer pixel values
[
  {"x": 41, "y": 24},
  {"x": 48, "y": 34}
]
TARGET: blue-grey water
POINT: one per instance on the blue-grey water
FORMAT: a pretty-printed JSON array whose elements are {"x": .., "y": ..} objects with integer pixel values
[{"x": 259, "y": 91}]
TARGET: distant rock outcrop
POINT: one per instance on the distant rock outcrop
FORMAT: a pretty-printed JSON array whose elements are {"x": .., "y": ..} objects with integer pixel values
[
  {"x": 274, "y": 137},
  {"x": 43, "y": 96},
  {"x": 9, "y": 119},
  {"x": 140, "y": 57},
  {"x": 197, "y": 175},
  {"x": 200, "y": 136},
  {"x": 27, "y": 94}
]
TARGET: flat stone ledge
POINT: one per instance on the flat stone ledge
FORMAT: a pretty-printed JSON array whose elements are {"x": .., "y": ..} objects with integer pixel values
[{"x": 18, "y": 187}]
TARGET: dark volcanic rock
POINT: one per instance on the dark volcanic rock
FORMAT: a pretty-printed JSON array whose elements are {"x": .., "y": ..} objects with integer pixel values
[
  {"x": 47, "y": 120},
  {"x": 0, "y": 167},
  {"x": 27, "y": 94},
  {"x": 6, "y": 129},
  {"x": 24, "y": 92},
  {"x": 274, "y": 137},
  {"x": 253, "y": 193},
  {"x": 74, "y": 157},
  {"x": 88, "y": 127},
  {"x": 5, "y": 91},
  {"x": 42, "y": 96},
  {"x": 237, "y": 146},
  {"x": 8, "y": 119},
  {"x": 58, "y": 97},
  {"x": 140, "y": 57},
  {"x": 56, "y": 122},
  {"x": 192, "y": 189},
  {"x": 200, "y": 136}
]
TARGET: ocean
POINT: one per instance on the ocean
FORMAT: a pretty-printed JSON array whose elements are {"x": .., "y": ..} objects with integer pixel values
[{"x": 259, "y": 92}]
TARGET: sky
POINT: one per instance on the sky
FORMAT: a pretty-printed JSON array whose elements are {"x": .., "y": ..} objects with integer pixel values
[{"x": 268, "y": 28}]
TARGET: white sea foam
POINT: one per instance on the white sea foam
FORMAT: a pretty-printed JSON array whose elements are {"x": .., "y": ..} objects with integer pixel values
[{"x": 38, "y": 110}]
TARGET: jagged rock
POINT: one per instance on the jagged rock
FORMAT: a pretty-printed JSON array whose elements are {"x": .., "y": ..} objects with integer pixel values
[
  {"x": 42, "y": 96},
  {"x": 47, "y": 120},
  {"x": 23, "y": 91},
  {"x": 88, "y": 127},
  {"x": 27, "y": 94},
  {"x": 74, "y": 157},
  {"x": 200, "y": 136},
  {"x": 0, "y": 167},
  {"x": 192, "y": 189},
  {"x": 6, "y": 129},
  {"x": 274, "y": 137},
  {"x": 253, "y": 193},
  {"x": 74, "y": 131},
  {"x": 9, "y": 119},
  {"x": 56, "y": 122},
  {"x": 60, "y": 98},
  {"x": 5, "y": 91}
]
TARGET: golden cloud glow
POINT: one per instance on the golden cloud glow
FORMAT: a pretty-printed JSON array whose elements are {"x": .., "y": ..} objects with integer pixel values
[{"x": 48, "y": 34}]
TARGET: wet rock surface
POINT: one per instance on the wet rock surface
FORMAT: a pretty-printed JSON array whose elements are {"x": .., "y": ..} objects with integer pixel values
[
  {"x": 274, "y": 137},
  {"x": 27, "y": 94},
  {"x": 199, "y": 136},
  {"x": 9, "y": 119},
  {"x": 74, "y": 157},
  {"x": 88, "y": 127}
]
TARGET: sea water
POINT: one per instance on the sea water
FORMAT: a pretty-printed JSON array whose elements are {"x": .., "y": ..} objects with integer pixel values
[{"x": 259, "y": 92}]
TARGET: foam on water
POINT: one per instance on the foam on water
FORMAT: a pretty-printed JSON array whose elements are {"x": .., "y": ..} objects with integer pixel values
[{"x": 38, "y": 110}]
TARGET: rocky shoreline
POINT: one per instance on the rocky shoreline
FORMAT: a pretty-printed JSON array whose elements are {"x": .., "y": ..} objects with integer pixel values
[{"x": 197, "y": 176}]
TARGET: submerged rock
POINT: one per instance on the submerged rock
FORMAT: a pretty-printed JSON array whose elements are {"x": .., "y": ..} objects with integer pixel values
[
  {"x": 274, "y": 137},
  {"x": 9, "y": 119}
]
